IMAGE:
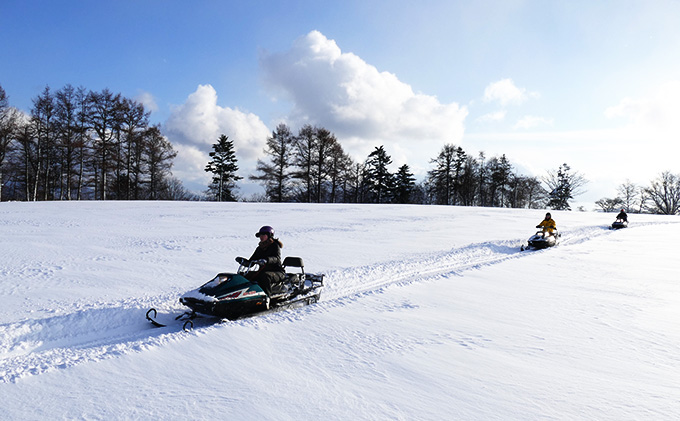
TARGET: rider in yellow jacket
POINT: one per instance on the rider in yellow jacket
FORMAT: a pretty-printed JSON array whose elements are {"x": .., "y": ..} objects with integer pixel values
[{"x": 548, "y": 224}]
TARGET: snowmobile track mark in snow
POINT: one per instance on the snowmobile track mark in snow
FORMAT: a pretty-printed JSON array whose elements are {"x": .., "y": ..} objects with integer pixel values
[
  {"x": 370, "y": 279},
  {"x": 98, "y": 332}
]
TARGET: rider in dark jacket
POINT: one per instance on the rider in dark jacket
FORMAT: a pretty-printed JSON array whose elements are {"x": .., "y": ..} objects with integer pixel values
[
  {"x": 268, "y": 256},
  {"x": 622, "y": 216}
]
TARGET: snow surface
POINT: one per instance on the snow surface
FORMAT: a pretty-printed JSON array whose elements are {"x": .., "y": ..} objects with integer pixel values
[{"x": 428, "y": 313}]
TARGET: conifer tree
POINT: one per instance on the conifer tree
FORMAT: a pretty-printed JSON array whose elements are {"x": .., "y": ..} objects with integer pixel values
[
  {"x": 378, "y": 178},
  {"x": 404, "y": 185},
  {"x": 223, "y": 166},
  {"x": 563, "y": 186}
]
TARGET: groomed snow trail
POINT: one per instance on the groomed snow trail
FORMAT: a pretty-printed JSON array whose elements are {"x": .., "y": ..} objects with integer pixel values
[{"x": 106, "y": 330}]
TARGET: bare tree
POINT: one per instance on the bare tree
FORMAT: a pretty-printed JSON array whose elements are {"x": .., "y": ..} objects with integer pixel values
[
  {"x": 325, "y": 142},
  {"x": 134, "y": 128},
  {"x": 275, "y": 175},
  {"x": 305, "y": 145},
  {"x": 103, "y": 118},
  {"x": 664, "y": 193},
  {"x": 9, "y": 125},
  {"x": 158, "y": 157},
  {"x": 629, "y": 194},
  {"x": 609, "y": 205},
  {"x": 338, "y": 163},
  {"x": 441, "y": 179}
]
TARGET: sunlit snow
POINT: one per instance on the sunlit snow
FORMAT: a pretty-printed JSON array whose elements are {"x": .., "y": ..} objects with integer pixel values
[{"x": 428, "y": 313}]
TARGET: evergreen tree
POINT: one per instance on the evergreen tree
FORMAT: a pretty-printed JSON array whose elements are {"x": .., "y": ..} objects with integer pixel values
[
  {"x": 378, "y": 178},
  {"x": 223, "y": 166},
  {"x": 482, "y": 180},
  {"x": 501, "y": 177},
  {"x": 404, "y": 185},
  {"x": 563, "y": 186}
]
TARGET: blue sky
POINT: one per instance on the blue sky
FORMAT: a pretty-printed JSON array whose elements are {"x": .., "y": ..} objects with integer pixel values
[{"x": 594, "y": 84}]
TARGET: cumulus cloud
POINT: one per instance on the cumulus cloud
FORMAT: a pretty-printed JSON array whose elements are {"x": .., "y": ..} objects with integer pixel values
[
  {"x": 195, "y": 126},
  {"x": 505, "y": 92},
  {"x": 363, "y": 106},
  {"x": 325, "y": 87}
]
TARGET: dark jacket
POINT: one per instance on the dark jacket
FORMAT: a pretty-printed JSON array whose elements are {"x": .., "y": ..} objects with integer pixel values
[
  {"x": 270, "y": 251},
  {"x": 622, "y": 216}
]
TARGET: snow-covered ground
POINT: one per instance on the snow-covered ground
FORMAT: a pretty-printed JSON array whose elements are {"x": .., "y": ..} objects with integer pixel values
[{"x": 428, "y": 313}]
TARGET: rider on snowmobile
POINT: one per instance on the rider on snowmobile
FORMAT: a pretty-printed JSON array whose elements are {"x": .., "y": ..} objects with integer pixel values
[
  {"x": 548, "y": 224},
  {"x": 268, "y": 256},
  {"x": 622, "y": 216}
]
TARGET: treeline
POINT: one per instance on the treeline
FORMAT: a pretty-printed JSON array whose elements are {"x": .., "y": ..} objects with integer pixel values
[
  {"x": 311, "y": 166},
  {"x": 79, "y": 144},
  {"x": 662, "y": 196}
]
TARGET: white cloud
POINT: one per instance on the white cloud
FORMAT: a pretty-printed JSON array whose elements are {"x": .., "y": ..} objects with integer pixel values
[
  {"x": 147, "y": 99},
  {"x": 364, "y": 107},
  {"x": 492, "y": 117},
  {"x": 505, "y": 92},
  {"x": 195, "y": 126},
  {"x": 655, "y": 113},
  {"x": 531, "y": 121}
]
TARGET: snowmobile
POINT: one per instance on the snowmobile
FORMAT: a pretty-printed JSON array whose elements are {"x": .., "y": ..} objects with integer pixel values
[
  {"x": 542, "y": 240},
  {"x": 618, "y": 224},
  {"x": 232, "y": 295}
]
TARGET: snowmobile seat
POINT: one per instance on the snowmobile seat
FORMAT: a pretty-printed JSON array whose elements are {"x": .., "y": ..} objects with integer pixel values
[{"x": 295, "y": 262}]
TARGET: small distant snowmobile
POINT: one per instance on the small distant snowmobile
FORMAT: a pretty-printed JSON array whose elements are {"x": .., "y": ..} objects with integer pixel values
[
  {"x": 232, "y": 296},
  {"x": 541, "y": 240},
  {"x": 618, "y": 224}
]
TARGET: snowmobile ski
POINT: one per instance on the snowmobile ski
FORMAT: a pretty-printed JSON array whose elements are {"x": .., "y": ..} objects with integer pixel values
[
  {"x": 152, "y": 319},
  {"x": 187, "y": 317}
]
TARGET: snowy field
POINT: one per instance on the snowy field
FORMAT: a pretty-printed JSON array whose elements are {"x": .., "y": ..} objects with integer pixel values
[{"x": 428, "y": 313}]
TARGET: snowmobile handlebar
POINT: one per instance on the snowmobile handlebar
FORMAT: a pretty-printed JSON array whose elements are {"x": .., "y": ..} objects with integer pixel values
[{"x": 246, "y": 265}]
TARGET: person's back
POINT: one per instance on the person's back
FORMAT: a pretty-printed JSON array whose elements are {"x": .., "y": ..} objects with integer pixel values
[{"x": 622, "y": 216}]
